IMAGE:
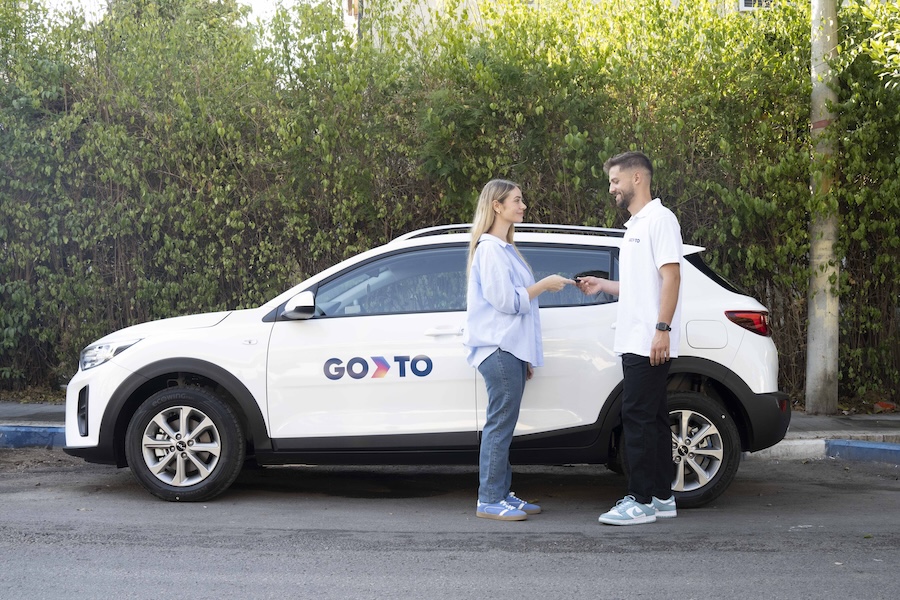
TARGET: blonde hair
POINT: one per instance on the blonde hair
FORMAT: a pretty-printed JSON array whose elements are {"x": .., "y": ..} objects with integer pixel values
[{"x": 495, "y": 189}]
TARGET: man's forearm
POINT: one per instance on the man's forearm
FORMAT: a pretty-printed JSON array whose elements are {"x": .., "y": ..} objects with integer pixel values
[{"x": 668, "y": 297}]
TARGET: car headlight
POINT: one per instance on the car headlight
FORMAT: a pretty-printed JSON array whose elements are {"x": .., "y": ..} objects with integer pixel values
[{"x": 97, "y": 354}]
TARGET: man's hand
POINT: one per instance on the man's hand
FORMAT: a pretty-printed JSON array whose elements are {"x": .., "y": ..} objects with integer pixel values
[
  {"x": 590, "y": 285},
  {"x": 659, "y": 348}
]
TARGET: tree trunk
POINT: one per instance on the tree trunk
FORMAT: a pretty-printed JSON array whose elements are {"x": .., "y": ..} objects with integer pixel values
[{"x": 822, "y": 334}]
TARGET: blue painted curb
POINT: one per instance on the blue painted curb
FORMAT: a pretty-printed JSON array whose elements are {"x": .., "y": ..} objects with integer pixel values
[
  {"x": 23, "y": 436},
  {"x": 862, "y": 450}
]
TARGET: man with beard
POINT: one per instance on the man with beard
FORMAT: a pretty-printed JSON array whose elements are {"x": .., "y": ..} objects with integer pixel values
[{"x": 648, "y": 334}]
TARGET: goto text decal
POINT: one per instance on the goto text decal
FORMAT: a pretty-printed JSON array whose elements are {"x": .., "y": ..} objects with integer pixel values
[{"x": 358, "y": 367}]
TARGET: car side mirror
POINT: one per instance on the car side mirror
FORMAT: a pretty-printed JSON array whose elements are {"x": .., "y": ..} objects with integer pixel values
[{"x": 300, "y": 307}]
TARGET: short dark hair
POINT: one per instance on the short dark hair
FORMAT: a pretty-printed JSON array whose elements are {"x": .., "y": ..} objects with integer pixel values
[{"x": 629, "y": 160}]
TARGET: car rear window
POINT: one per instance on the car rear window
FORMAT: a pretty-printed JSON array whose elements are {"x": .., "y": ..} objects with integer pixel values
[{"x": 704, "y": 268}]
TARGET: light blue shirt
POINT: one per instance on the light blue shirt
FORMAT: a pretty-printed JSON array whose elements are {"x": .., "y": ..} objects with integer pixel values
[{"x": 499, "y": 313}]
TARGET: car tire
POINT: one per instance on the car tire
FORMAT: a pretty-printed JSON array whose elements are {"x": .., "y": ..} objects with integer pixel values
[
  {"x": 706, "y": 448},
  {"x": 185, "y": 444}
]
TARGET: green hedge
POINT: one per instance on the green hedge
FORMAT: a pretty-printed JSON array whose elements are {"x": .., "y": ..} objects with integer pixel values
[{"x": 174, "y": 158}]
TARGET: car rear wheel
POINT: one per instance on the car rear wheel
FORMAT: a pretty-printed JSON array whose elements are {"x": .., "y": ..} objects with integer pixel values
[
  {"x": 185, "y": 444},
  {"x": 706, "y": 448}
]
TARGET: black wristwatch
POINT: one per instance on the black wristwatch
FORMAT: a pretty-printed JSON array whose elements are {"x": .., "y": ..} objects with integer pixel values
[{"x": 663, "y": 326}]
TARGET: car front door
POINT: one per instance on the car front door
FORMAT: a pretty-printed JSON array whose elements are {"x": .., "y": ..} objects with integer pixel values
[{"x": 381, "y": 364}]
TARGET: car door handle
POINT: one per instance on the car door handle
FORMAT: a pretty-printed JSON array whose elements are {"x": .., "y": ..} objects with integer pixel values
[{"x": 437, "y": 331}]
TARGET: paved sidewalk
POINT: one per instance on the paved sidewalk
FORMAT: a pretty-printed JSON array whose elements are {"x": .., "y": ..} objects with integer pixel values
[{"x": 858, "y": 437}]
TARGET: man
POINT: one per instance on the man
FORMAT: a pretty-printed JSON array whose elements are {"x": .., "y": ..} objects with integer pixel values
[{"x": 648, "y": 333}]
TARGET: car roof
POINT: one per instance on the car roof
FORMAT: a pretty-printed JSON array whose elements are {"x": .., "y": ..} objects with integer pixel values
[
  {"x": 459, "y": 234},
  {"x": 536, "y": 227},
  {"x": 525, "y": 232}
]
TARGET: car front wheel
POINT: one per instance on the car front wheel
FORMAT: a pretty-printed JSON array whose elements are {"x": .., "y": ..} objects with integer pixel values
[
  {"x": 185, "y": 444},
  {"x": 706, "y": 448}
]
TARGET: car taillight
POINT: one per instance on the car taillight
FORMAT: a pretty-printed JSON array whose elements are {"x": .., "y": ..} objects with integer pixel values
[{"x": 752, "y": 320}]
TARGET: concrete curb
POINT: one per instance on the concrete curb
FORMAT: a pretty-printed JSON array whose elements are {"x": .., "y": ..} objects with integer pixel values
[
  {"x": 32, "y": 436},
  {"x": 845, "y": 449},
  {"x": 790, "y": 450},
  {"x": 863, "y": 450}
]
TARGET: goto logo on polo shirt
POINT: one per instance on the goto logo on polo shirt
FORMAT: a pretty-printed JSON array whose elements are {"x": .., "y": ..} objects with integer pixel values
[{"x": 358, "y": 367}]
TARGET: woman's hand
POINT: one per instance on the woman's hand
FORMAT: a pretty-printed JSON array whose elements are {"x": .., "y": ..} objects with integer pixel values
[
  {"x": 550, "y": 283},
  {"x": 554, "y": 283}
]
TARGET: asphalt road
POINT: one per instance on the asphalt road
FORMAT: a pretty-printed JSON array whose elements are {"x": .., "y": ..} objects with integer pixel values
[{"x": 785, "y": 529}]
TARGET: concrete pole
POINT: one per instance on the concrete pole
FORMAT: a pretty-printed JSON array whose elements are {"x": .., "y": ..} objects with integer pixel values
[{"x": 822, "y": 357}]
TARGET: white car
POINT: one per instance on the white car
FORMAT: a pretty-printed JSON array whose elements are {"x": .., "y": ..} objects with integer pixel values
[{"x": 363, "y": 364}]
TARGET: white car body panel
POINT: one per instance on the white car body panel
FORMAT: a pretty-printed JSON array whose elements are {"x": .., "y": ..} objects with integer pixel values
[
  {"x": 103, "y": 383},
  {"x": 576, "y": 361},
  {"x": 306, "y": 403},
  {"x": 236, "y": 342}
]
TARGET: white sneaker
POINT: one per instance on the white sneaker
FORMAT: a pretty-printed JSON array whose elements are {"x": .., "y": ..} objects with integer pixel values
[
  {"x": 665, "y": 509},
  {"x": 629, "y": 511}
]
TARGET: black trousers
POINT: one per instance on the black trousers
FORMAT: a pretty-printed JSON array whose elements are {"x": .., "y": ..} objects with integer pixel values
[{"x": 646, "y": 433}]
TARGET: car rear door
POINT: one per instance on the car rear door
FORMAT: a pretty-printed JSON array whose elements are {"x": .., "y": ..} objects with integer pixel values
[{"x": 580, "y": 368}]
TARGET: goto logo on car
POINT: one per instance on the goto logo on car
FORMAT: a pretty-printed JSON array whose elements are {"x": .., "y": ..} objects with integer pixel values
[{"x": 358, "y": 367}]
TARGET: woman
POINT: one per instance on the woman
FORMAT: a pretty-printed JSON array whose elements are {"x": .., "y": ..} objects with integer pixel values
[{"x": 503, "y": 338}]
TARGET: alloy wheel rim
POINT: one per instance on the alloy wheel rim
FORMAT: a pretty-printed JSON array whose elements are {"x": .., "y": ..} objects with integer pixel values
[
  {"x": 181, "y": 446},
  {"x": 697, "y": 450}
]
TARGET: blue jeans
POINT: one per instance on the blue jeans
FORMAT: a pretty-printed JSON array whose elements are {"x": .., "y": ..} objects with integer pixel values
[{"x": 505, "y": 377}]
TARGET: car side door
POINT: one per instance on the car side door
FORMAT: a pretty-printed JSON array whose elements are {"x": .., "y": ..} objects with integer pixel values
[
  {"x": 381, "y": 363},
  {"x": 580, "y": 368}
]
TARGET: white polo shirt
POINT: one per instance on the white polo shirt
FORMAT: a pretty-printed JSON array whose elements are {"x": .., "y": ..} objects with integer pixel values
[{"x": 652, "y": 239}]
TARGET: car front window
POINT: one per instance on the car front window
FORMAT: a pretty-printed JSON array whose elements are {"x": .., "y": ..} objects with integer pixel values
[{"x": 421, "y": 280}]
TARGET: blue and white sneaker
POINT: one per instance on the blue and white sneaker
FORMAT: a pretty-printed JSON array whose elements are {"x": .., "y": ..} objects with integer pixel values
[
  {"x": 502, "y": 511},
  {"x": 629, "y": 511},
  {"x": 665, "y": 509},
  {"x": 527, "y": 507}
]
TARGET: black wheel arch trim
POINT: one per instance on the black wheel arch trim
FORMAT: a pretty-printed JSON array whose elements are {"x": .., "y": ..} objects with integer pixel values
[
  {"x": 761, "y": 419},
  {"x": 110, "y": 447}
]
